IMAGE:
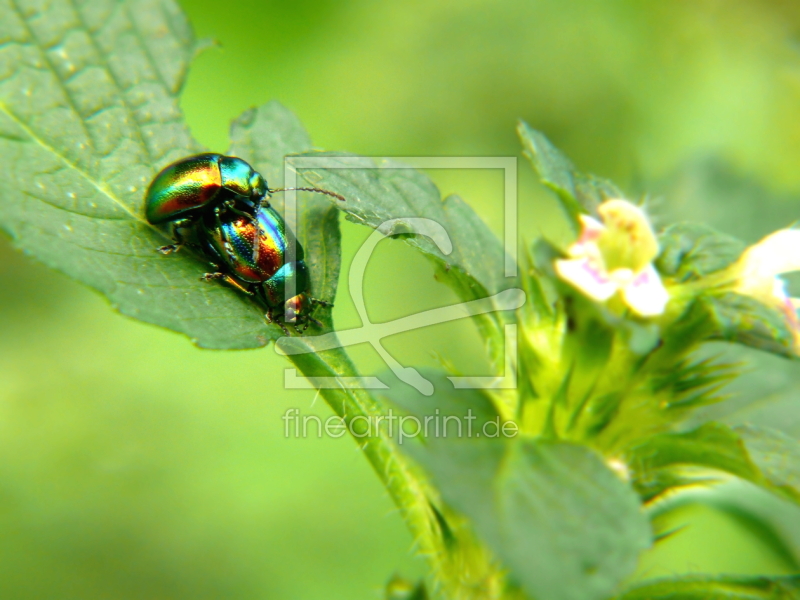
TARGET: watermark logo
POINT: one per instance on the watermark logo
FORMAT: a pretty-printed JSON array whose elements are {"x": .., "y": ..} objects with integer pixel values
[
  {"x": 401, "y": 427},
  {"x": 373, "y": 333}
]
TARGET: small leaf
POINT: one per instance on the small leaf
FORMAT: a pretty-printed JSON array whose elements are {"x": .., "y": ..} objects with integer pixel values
[
  {"x": 775, "y": 520},
  {"x": 376, "y": 194},
  {"x": 578, "y": 193},
  {"x": 551, "y": 511},
  {"x": 690, "y": 251},
  {"x": 765, "y": 457},
  {"x": 717, "y": 588},
  {"x": 777, "y": 457},
  {"x": 737, "y": 318}
]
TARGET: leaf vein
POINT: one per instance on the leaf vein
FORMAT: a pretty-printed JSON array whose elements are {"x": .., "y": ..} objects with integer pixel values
[
  {"x": 50, "y": 67},
  {"x": 114, "y": 79}
]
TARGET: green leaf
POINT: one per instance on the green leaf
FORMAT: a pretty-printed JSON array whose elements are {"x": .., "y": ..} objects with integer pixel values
[
  {"x": 469, "y": 407},
  {"x": 88, "y": 114},
  {"x": 579, "y": 193},
  {"x": 691, "y": 251},
  {"x": 737, "y": 318},
  {"x": 717, "y": 588},
  {"x": 765, "y": 457},
  {"x": 562, "y": 523},
  {"x": 379, "y": 193},
  {"x": 775, "y": 520},
  {"x": 777, "y": 457},
  {"x": 375, "y": 194}
]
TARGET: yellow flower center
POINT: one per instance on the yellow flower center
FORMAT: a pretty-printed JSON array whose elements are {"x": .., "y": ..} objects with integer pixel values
[{"x": 628, "y": 241}]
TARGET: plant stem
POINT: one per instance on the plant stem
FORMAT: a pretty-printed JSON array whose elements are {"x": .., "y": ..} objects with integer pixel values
[{"x": 407, "y": 490}]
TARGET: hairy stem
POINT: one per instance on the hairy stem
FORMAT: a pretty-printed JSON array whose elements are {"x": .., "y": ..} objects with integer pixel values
[{"x": 393, "y": 468}]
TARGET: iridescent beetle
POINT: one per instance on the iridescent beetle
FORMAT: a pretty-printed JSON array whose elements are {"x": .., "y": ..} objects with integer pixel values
[
  {"x": 184, "y": 190},
  {"x": 223, "y": 200},
  {"x": 252, "y": 255}
]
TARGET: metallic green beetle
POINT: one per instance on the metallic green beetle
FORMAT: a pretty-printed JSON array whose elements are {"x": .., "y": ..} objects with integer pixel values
[
  {"x": 196, "y": 182},
  {"x": 182, "y": 191},
  {"x": 268, "y": 272},
  {"x": 223, "y": 201}
]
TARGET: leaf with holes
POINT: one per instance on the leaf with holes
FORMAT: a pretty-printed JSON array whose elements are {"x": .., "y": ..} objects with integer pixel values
[{"x": 88, "y": 114}]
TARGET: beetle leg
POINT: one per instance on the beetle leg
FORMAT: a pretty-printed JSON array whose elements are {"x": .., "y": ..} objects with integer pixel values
[
  {"x": 321, "y": 302},
  {"x": 310, "y": 319},
  {"x": 176, "y": 235},
  {"x": 169, "y": 249},
  {"x": 227, "y": 279},
  {"x": 271, "y": 321},
  {"x": 261, "y": 202},
  {"x": 230, "y": 205},
  {"x": 257, "y": 205}
]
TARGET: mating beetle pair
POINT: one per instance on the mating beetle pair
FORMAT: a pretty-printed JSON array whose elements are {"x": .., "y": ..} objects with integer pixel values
[{"x": 223, "y": 201}]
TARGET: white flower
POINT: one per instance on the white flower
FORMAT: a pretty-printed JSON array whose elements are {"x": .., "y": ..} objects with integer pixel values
[
  {"x": 758, "y": 273},
  {"x": 616, "y": 256}
]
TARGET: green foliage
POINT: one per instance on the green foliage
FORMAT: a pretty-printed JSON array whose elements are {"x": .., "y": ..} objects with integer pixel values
[
  {"x": 552, "y": 511},
  {"x": 774, "y": 519},
  {"x": 402, "y": 589},
  {"x": 459, "y": 403},
  {"x": 763, "y": 456},
  {"x": 579, "y": 193},
  {"x": 736, "y": 318},
  {"x": 718, "y": 588},
  {"x": 690, "y": 251},
  {"x": 473, "y": 260},
  {"x": 88, "y": 114}
]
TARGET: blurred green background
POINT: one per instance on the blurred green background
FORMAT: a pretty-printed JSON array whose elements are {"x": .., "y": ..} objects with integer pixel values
[{"x": 133, "y": 465}]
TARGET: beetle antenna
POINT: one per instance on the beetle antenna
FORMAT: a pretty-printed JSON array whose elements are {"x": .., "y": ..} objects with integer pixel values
[{"x": 305, "y": 189}]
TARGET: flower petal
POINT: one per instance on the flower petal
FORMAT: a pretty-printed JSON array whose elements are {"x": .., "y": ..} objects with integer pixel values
[
  {"x": 646, "y": 295},
  {"x": 586, "y": 244},
  {"x": 591, "y": 229},
  {"x": 787, "y": 304},
  {"x": 776, "y": 254},
  {"x": 587, "y": 277}
]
